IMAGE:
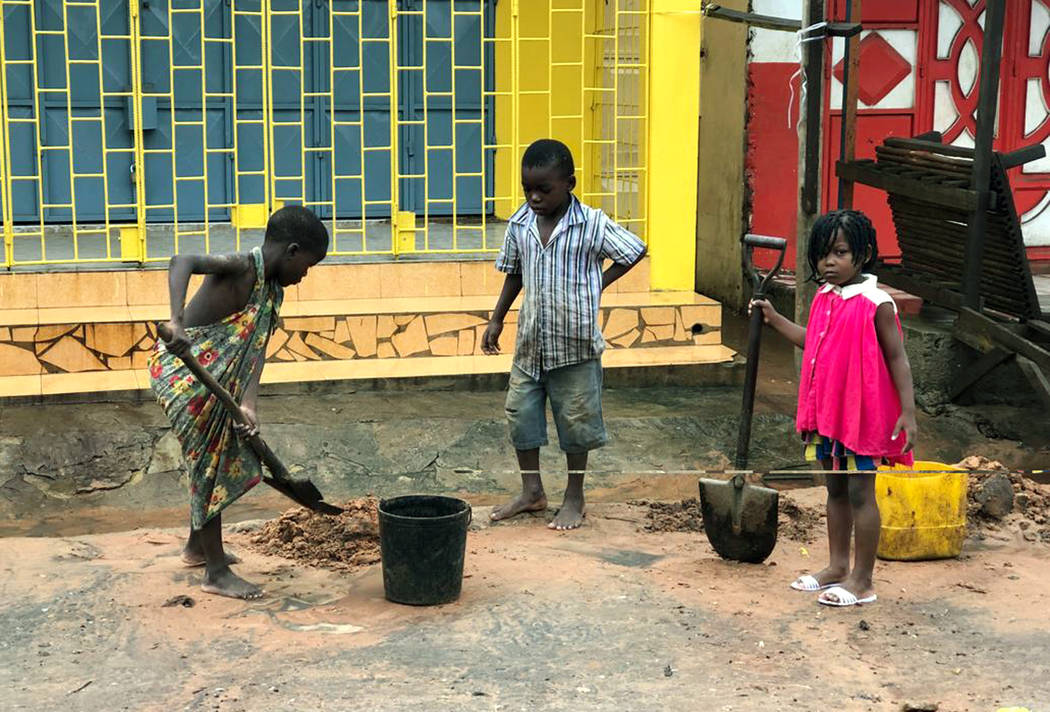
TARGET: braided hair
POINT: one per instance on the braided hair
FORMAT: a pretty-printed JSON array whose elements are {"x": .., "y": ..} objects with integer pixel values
[{"x": 858, "y": 232}]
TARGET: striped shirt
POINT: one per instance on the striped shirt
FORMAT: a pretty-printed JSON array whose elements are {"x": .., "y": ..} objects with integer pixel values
[{"x": 558, "y": 321}]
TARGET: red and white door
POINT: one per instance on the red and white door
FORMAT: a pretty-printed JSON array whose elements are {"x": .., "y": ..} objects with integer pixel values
[{"x": 918, "y": 71}]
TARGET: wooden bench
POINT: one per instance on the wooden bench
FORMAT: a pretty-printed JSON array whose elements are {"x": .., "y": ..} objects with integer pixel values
[{"x": 931, "y": 192}]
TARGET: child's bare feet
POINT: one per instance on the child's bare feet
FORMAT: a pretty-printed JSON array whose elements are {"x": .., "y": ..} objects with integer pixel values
[
  {"x": 226, "y": 583},
  {"x": 570, "y": 515},
  {"x": 525, "y": 502},
  {"x": 195, "y": 557},
  {"x": 193, "y": 551}
]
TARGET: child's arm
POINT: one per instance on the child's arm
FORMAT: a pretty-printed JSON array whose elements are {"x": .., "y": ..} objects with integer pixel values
[
  {"x": 617, "y": 270},
  {"x": 249, "y": 403},
  {"x": 180, "y": 269},
  {"x": 622, "y": 246},
  {"x": 511, "y": 289},
  {"x": 781, "y": 324},
  {"x": 900, "y": 370}
]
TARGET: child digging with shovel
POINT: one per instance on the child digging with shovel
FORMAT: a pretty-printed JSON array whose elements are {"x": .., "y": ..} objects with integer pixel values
[
  {"x": 855, "y": 396},
  {"x": 226, "y": 327}
]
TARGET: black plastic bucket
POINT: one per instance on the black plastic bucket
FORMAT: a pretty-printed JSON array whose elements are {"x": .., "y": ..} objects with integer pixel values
[{"x": 423, "y": 540}]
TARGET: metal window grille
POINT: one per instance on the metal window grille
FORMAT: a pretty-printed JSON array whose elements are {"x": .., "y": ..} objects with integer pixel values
[{"x": 132, "y": 131}]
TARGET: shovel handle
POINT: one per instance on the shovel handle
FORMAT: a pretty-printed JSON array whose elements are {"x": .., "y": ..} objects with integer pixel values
[
  {"x": 770, "y": 243},
  {"x": 274, "y": 465},
  {"x": 747, "y": 407},
  {"x": 754, "y": 341}
]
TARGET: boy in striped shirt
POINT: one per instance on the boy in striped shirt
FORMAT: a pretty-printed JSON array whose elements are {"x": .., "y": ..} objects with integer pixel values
[{"x": 554, "y": 248}]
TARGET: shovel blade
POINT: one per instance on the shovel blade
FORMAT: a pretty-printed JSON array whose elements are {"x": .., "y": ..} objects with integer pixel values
[
  {"x": 304, "y": 493},
  {"x": 740, "y": 522}
]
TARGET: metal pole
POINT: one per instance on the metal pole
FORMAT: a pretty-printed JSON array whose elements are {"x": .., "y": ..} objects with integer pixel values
[
  {"x": 809, "y": 150},
  {"x": 987, "y": 103},
  {"x": 850, "y": 86},
  {"x": 395, "y": 148},
  {"x": 5, "y": 159},
  {"x": 139, "y": 166}
]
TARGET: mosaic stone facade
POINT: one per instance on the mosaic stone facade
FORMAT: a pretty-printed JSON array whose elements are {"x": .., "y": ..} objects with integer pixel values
[{"x": 76, "y": 348}]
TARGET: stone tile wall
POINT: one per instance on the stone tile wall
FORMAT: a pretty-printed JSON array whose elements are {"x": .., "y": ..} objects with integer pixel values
[{"x": 85, "y": 347}]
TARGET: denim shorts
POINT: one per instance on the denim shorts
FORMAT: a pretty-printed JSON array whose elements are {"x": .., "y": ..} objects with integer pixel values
[{"x": 575, "y": 394}]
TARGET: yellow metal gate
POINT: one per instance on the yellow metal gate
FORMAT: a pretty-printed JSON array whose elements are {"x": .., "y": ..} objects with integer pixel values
[{"x": 132, "y": 131}]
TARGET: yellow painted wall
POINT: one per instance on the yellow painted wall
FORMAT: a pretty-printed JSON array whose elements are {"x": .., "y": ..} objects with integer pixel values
[
  {"x": 674, "y": 111},
  {"x": 723, "y": 97}
]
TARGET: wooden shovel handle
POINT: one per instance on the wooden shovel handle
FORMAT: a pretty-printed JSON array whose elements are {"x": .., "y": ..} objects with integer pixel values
[{"x": 274, "y": 465}]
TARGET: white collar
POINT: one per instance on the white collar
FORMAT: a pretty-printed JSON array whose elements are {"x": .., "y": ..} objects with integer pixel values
[{"x": 866, "y": 285}]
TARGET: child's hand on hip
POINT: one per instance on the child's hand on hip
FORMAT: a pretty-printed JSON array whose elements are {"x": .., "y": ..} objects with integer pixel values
[
  {"x": 768, "y": 312},
  {"x": 249, "y": 429},
  {"x": 490, "y": 339},
  {"x": 906, "y": 423}
]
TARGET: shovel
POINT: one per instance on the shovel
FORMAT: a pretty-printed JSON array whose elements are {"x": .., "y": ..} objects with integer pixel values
[
  {"x": 741, "y": 518},
  {"x": 302, "y": 492}
]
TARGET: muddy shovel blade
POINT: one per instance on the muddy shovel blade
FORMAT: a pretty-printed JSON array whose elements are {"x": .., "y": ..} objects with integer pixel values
[
  {"x": 740, "y": 518},
  {"x": 304, "y": 493}
]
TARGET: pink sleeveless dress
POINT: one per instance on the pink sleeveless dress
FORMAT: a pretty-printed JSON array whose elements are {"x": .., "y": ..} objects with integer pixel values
[{"x": 846, "y": 393}]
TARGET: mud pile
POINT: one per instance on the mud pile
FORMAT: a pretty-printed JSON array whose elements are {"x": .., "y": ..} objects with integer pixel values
[
  {"x": 1026, "y": 514},
  {"x": 978, "y": 462},
  {"x": 796, "y": 521},
  {"x": 800, "y": 522},
  {"x": 681, "y": 516},
  {"x": 343, "y": 543}
]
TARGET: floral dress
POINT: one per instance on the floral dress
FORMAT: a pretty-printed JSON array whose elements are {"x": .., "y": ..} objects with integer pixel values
[{"x": 221, "y": 466}]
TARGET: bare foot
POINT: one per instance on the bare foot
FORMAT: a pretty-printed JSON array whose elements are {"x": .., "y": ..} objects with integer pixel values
[
  {"x": 226, "y": 583},
  {"x": 569, "y": 516},
  {"x": 194, "y": 558},
  {"x": 523, "y": 503}
]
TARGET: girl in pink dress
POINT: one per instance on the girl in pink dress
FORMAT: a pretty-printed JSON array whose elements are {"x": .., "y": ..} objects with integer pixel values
[{"x": 856, "y": 403}]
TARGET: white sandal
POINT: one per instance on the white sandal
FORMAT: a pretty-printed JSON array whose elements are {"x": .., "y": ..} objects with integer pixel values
[
  {"x": 809, "y": 584},
  {"x": 844, "y": 598}
]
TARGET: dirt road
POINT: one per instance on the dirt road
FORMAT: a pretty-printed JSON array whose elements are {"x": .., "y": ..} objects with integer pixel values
[{"x": 611, "y": 617}]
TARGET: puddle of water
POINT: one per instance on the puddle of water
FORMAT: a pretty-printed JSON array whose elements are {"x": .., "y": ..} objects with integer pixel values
[
  {"x": 295, "y": 604},
  {"x": 292, "y": 604},
  {"x": 626, "y": 557},
  {"x": 334, "y": 628},
  {"x": 618, "y": 557},
  {"x": 104, "y": 521}
]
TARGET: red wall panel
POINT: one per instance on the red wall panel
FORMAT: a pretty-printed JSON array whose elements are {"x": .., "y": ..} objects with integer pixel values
[{"x": 772, "y": 156}]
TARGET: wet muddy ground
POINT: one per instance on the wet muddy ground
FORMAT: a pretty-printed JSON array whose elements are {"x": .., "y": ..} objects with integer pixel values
[
  {"x": 634, "y": 611},
  {"x": 112, "y": 466},
  {"x": 611, "y": 617}
]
